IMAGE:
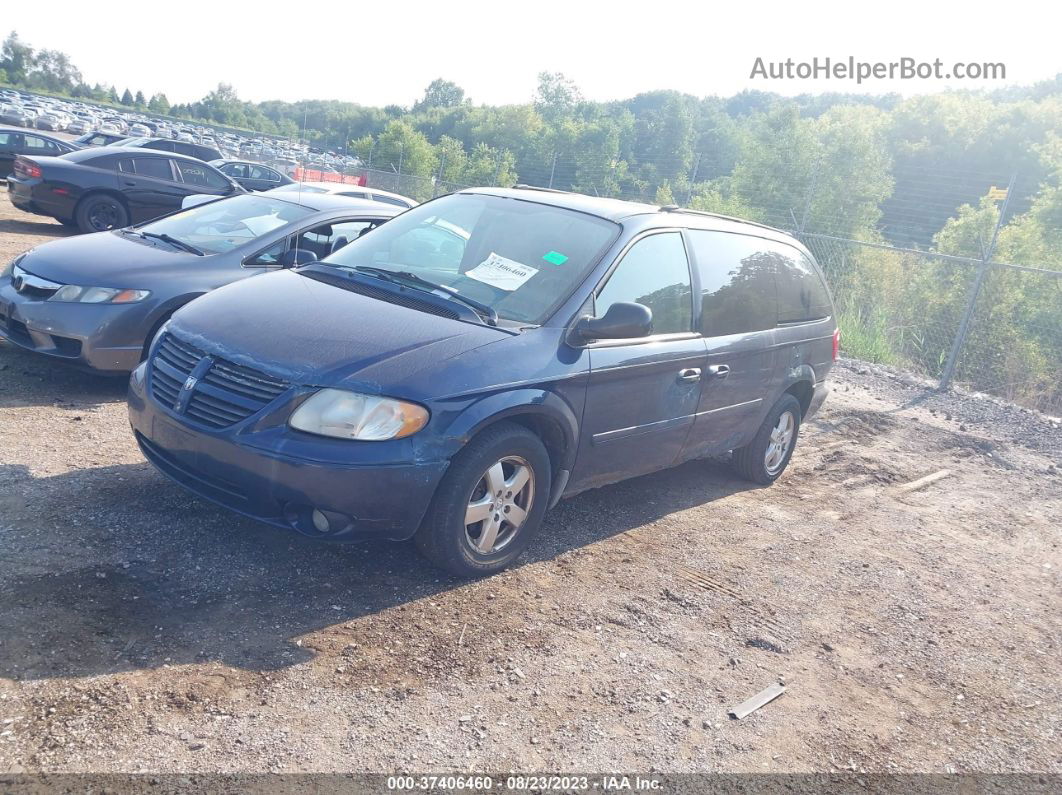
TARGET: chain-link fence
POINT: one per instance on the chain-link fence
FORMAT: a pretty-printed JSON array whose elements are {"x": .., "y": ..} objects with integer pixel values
[{"x": 906, "y": 308}]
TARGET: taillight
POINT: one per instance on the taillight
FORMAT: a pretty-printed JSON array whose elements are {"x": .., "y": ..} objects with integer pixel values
[
  {"x": 836, "y": 343},
  {"x": 26, "y": 169}
]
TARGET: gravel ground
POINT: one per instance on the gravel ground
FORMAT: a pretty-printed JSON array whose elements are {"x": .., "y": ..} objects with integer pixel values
[{"x": 144, "y": 630}]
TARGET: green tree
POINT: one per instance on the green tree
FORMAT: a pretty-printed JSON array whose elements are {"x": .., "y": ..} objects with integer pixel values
[
  {"x": 159, "y": 104},
  {"x": 139, "y": 100},
  {"x": 127, "y": 98},
  {"x": 16, "y": 58},
  {"x": 441, "y": 94}
]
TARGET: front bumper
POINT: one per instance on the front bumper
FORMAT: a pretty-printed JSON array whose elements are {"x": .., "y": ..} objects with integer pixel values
[
  {"x": 74, "y": 333},
  {"x": 366, "y": 500}
]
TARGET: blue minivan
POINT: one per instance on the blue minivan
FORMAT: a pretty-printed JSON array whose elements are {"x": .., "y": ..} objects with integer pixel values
[{"x": 451, "y": 375}]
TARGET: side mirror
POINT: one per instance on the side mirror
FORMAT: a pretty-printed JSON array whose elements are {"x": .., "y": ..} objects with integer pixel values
[
  {"x": 621, "y": 321},
  {"x": 293, "y": 258}
]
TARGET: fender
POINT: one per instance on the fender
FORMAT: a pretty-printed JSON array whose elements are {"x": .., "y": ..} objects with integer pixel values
[{"x": 508, "y": 404}]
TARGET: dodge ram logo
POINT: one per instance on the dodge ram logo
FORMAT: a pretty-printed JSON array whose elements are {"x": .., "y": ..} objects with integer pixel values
[{"x": 190, "y": 382}]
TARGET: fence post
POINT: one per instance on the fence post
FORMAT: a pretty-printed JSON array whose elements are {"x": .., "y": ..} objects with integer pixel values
[
  {"x": 693, "y": 178},
  {"x": 975, "y": 292}
]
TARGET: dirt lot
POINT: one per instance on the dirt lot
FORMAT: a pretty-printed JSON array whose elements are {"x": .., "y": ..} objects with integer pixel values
[{"x": 141, "y": 629}]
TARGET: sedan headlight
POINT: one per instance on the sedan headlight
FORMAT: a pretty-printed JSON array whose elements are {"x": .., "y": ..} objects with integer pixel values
[
  {"x": 6, "y": 270},
  {"x": 73, "y": 293},
  {"x": 352, "y": 415}
]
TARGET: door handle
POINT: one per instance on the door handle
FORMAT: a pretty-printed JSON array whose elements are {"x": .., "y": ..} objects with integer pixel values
[
  {"x": 689, "y": 375},
  {"x": 719, "y": 370}
]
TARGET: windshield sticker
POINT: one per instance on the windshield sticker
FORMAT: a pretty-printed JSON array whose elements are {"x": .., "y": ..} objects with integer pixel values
[
  {"x": 555, "y": 258},
  {"x": 502, "y": 272}
]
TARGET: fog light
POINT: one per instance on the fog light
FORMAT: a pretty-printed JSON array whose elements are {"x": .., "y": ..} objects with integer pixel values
[{"x": 320, "y": 521}]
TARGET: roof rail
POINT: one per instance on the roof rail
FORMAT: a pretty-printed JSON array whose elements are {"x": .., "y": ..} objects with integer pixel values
[{"x": 674, "y": 208}]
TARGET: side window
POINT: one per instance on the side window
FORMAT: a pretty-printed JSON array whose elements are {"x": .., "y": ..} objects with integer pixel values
[
  {"x": 202, "y": 175},
  {"x": 235, "y": 170},
  {"x": 348, "y": 231},
  {"x": 318, "y": 240},
  {"x": 737, "y": 274},
  {"x": 35, "y": 145},
  {"x": 268, "y": 258},
  {"x": 7, "y": 139},
  {"x": 258, "y": 172},
  {"x": 656, "y": 273},
  {"x": 801, "y": 294},
  {"x": 157, "y": 167}
]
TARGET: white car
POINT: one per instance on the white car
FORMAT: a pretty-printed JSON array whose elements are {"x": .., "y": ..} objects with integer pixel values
[{"x": 344, "y": 189}]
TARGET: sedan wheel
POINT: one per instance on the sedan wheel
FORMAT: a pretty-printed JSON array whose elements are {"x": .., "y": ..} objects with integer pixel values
[{"x": 100, "y": 213}]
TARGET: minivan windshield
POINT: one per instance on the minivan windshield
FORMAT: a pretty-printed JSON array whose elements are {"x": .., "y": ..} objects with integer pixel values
[
  {"x": 220, "y": 226},
  {"x": 518, "y": 257}
]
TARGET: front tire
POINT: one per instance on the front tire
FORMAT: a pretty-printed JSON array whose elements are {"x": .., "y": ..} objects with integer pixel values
[
  {"x": 490, "y": 503},
  {"x": 100, "y": 212},
  {"x": 764, "y": 459}
]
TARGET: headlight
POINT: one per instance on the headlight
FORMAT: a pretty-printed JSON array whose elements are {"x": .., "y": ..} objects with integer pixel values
[
  {"x": 351, "y": 415},
  {"x": 98, "y": 295},
  {"x": 6, "y": 270}
]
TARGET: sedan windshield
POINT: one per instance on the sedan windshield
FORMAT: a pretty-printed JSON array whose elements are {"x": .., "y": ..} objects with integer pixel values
[
  {"x": 221, "y": 226},
  {"x": 520, "y": 258}
]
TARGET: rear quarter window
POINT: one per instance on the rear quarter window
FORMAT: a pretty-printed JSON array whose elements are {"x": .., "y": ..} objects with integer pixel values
[{"x": 802, "y": 295}]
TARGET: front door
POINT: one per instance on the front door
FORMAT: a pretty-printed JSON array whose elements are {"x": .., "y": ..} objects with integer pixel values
[{"x": 643, "y": 393}]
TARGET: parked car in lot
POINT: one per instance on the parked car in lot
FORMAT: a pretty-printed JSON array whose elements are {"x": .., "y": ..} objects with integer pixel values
[
  {"x": 198, "y": 151},
  {"x": 353, "y": 191},
  {"x": 252, "y": 176},
  {"x": 98, "y": 138},
  {"x": 109, "y": 187},
  {"x": 20, "y": 142},
  {"x": 96, "y": 300},
  {"x": 50, "y": 121},
  {"x": 20, "y": 117},
  {"x": 485, "y": 354},
  {"x": 79, "y": 126}
]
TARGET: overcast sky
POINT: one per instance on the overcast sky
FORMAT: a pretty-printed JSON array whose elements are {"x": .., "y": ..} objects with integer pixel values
[{"x": 386, "y": 53}]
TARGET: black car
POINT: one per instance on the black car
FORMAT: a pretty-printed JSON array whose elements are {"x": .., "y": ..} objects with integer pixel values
[
  {"x": 97, "y": 138},
  {"x": 112, "y": 186},
  {"x": 253, "y": 176},
  {"x": 198, "y": 151},
  {"x": 18, "y": 142}
]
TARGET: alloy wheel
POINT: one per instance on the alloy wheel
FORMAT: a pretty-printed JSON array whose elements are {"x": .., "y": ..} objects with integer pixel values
[{"x": 499, "y": 504}]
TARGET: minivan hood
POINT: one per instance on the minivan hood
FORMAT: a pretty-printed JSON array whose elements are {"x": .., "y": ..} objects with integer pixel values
[
  {"x": 313, "y": 333},
  {"x": 104, "y": 259}
]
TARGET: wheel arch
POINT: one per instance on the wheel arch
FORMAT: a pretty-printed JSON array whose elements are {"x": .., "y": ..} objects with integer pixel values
[
  {"x": 800, "y": 383},
  {"x": 542, "y": 412}
]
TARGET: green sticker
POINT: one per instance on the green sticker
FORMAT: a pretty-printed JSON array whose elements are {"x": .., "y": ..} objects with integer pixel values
[{"x": 555, "y": 257}]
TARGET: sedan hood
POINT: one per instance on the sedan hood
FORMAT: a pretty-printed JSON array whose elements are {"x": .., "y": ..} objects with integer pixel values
[
  {"x": 105, "y": 259},
  {"x": 313, "y": 333}
]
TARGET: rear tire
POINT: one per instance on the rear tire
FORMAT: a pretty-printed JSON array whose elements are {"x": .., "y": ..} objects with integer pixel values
[
  {"x": 504, "y": 472},
  {"x": 764, "y": 459},
  {"x": 99, "y": 212}
]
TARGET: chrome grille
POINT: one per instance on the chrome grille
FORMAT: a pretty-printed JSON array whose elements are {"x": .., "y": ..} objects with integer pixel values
[{"x": 222, "y": 392}]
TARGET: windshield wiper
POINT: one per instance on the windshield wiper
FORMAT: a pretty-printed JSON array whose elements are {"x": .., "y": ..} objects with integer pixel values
[
  {"x": 175, "y": 243},
  {"x": 400, "y": 277}
]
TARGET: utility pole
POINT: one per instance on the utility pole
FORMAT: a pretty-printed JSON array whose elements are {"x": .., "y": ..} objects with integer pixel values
[
  {"x": 693, "y": 178},
  {"x": 552, "y": 170},
  {"x": 975, "y": 291}
]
